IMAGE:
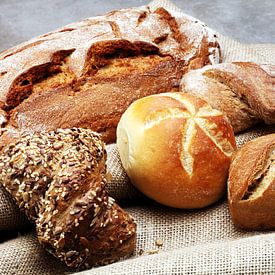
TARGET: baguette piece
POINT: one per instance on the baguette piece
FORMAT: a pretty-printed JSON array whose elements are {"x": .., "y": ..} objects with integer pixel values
[
  {"x": 58, "y": 179},
  {"x": 87, "y": 73},
  {"x": 243, "y": 91},
  {"x": 176, "y": 149},
  {"x": 251, "y": 184}
]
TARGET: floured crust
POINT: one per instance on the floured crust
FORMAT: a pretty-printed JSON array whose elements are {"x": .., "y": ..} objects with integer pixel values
[
  {"x": 241, "y": 90},
  {"x": 58, "y": 179},
  {"x": 87, "y": 73},
  {"x": 176, "y": 149},
  {"x": 251, "y": 184}
]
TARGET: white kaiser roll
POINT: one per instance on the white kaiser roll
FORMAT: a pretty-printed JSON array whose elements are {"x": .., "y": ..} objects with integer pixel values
[{"x": 176, "y": 149}]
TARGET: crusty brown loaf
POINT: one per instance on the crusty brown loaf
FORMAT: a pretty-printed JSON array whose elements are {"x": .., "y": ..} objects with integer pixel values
[
  {"x": 58, "y": 179},
  {"x": 87, "y": 73},
  {"x": 176, "y": 149},
  {"x": 241, "y": 90},
  {"x": 251, "y": 184}
]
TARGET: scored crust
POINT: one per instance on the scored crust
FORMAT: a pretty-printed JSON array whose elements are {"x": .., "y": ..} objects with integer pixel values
[
  {"x": 87, "y": 73},
  {"x": 58, "y": 179},
  {"x": 176, "y": 149},
  {"x": 251, "y": 184},
  {"x": 241, "y": 90}
]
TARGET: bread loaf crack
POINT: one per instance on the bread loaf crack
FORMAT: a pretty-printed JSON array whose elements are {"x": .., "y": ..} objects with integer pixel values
[
  {"x": 186, "y": 157},
  {"x": 87, "y": 73},
  {"x": 217, "y": 137},
  {"x": 251, "y": 184},
  {"x": 40, "y": 78},
  {"x": 262, "y": 182}
]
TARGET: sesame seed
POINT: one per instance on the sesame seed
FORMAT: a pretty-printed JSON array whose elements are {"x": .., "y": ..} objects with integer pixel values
[
  {"x": 76, "y": 211},
  {"x": 16, "y": 181},
  {"x": 25, "y": 197},
  {"x": 93, "y": 193},
  {"x": 58, "y": 230},
  {"x": 57, "y": 146},
  {"x": 153, "y": 251},
  {"x": 70, "y": 253},
  {"x": 93, "y": 222},
  {"x": 80, "y": 203},
  {"x": 55, "y": 212}
]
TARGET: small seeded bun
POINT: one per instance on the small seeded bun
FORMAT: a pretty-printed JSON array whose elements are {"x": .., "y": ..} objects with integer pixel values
[
  {"x": 176, "y": 149},
  {"x": 58, "y": 179}
]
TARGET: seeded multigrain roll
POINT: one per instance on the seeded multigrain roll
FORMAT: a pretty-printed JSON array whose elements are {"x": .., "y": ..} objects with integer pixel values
[{"x": 58, "y": 179}]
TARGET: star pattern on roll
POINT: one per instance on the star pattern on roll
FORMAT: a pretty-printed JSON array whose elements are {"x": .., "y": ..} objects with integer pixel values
[{"x": 193, "y": 117}]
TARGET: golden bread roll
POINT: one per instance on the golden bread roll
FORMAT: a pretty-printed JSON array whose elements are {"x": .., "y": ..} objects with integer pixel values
[
  {"x": 251, "y": 184},
  {"x": 176, "y": 149}
]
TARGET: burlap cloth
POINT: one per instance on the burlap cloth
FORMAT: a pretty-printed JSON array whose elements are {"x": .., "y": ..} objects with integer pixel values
[{"x": 194, "y": 242}]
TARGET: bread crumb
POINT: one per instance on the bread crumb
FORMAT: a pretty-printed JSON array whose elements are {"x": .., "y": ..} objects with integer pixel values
[
  {"x": 159, "y": 242},
  {"x": 153, "y": 251}
]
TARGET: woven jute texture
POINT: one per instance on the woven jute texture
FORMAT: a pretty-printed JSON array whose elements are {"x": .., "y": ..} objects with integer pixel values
[{"x": 194, "y": 241}]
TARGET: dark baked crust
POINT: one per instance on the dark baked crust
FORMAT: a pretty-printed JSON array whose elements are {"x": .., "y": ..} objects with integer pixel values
[
  {"x": 87, "y": 73},
  {"x": 251, "y": 184},
  {"x": 58, "y": 179},
  {"x": 241, "y": 90}
]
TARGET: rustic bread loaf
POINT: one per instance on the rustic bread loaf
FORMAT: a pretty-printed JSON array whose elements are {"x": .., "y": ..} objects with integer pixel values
[
  {"x": 87, "y": 73},
  {"x": 176, "y": 149},
  {"x": 58, "y": 179},
  {"x": 251, "y": 184},
  {"x": 241, "y": 90}
]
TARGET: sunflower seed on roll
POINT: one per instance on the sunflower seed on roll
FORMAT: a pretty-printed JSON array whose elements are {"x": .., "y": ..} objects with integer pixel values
[{"x": 58, "y": 179}]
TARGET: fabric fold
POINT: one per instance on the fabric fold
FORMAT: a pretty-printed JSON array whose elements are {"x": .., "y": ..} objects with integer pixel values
[
  {"x": 195, "y": 242},
  {"x": 244, "y": 256}
]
